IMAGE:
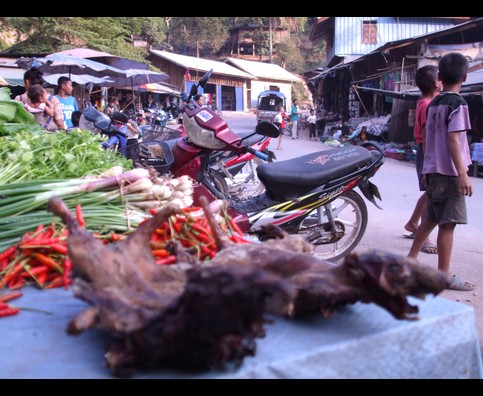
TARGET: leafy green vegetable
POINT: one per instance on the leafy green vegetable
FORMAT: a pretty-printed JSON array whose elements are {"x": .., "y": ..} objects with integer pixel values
[
  {"x": 4, "y": 93},
  {"x": 13, "y": 117},
  {"x": 7, "y": 110},
  {"x": 45, "y": 155}
]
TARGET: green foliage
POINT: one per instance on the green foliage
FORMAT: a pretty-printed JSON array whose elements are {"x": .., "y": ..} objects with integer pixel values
[
  {"x": 289, "y": 56},
  {"x": 198, "y": 33},
  {"x": 155, "y": 30},
  {"x": 13, "y": 116},
  {"x": 43, "y": 155}
]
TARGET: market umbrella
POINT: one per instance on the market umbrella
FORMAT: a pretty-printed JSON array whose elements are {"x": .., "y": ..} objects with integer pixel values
[
  {"x": 104, "y": 57},
  {"x": 134, "y": 78},
  {"x": 159, "y": 88},
  {"x": 69, "y": 65},
  {"x": 81, "y": 79}
]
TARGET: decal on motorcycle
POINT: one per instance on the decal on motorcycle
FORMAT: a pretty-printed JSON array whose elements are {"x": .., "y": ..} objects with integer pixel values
[
  {"x": 204, "y": 115},
  {"x": 321, "y": 160}
]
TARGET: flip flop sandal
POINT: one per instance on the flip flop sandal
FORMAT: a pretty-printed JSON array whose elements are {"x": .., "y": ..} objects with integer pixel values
[
  {"x": 410, "y": 236},
  {"x": 430, "y": 248},
  {"x": 457, "y": 283}
]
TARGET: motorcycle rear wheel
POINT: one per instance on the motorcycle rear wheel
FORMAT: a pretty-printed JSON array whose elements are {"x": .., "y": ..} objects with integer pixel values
[{"x": 350, "y": 215}]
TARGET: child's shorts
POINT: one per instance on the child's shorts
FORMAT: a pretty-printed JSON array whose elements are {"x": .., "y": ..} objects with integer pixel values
[{"x": 445, "y": 203}]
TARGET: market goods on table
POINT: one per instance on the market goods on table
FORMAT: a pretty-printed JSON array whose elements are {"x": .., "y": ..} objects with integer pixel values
[{"x": 206, "y": 314}]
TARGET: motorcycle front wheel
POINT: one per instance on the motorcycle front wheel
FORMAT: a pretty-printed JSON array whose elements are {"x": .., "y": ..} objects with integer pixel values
[
  {"x": 349, "y": 214},
  {"x": 245, "y": 183}
]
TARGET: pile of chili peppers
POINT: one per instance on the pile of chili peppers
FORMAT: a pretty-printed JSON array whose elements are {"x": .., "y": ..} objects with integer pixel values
[{"x": 40, "y": 257}]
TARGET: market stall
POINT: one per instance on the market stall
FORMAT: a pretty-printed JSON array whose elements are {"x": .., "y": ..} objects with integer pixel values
[{"x": 361, "y": 341}]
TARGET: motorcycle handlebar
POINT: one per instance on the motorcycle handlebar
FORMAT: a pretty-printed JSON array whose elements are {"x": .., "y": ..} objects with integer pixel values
[{"x": 257, "y": 153}]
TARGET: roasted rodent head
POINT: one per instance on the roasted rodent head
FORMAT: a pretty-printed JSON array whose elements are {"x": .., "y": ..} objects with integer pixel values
[{"x": 388, "y": 279}]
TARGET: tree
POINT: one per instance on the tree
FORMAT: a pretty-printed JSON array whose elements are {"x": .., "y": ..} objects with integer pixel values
[
  {"x": 198, "y": 34},
  {"x": 154, "y": 29},
  {"x": 289, "y": 56},
  {"x": 52, "y": 34}
]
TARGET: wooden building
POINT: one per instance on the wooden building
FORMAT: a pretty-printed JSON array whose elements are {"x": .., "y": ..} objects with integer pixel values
[
  {"x": 227, "y": 85},
  {"x": 269, "y": 77},
  {"x": 244, "y": 46},
  {"x": 234, "y": 84}
]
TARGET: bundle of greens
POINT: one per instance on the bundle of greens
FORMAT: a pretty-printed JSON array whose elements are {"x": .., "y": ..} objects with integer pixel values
[{"x": 115, "y": 201}]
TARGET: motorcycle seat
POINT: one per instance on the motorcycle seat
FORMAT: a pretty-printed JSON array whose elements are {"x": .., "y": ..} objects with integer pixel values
[{"x": 286, "y": 180}]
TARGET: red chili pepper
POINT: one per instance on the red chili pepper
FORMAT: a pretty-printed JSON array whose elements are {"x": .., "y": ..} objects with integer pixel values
[
  {"x": 178, "y": 226},
  {"x": 57, "y": 247},
  {"x": 116, "y": 237},
  {"x": 191, "y": 209},
  {"x": 12, "y": 273},
  {"x": 33, "y": 272},
  {"x": 3, "y": 305},
  {"x": 67, "y": 270},
  {"x": 79, "y": 215},
  {"x": 10, "y": 296},
  {"x": 3, "y": 264},
  {"x": 41, "y": 242},
  {"x": 160, "y": 253},
  {"x": 48, "y": 261},
  {"x": 9, "y": 312},
  {"x": 58, "y": 281},
  {"x": 171, "y": 259},
  {"x": 235, "y": 226},
  {"x": 41, "y": 279},
  {"x": 205, "y": 251},
  {"x": 202, "y": 236},
  {"x": 238, "y": 239},
  {"x": 8, "y": 252},
  {"x": 16, "y": 283}
]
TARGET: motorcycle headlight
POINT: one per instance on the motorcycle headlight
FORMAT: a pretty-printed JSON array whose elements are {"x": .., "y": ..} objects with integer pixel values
[{"x": 200, "y": 136}]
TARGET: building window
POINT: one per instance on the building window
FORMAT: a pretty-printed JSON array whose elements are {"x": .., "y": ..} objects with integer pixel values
[{"x": 369, "y": 32}]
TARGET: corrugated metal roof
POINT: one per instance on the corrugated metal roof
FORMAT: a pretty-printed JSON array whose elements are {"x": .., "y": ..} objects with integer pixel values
[
  {"x": 263, "y": 70},
  {"x": 193, "y": 63}
]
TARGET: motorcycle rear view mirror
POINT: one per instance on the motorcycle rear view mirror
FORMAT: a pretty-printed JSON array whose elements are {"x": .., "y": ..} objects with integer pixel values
[
  {"x": 266, "y": 128},
  {"x": 201, "y": 83},
  {"x": 204, "y": 80}
]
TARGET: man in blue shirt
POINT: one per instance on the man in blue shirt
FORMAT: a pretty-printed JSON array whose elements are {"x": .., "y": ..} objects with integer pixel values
[
  {"x": 67, "y": 101},
  {"x": 295, "y": 119}
]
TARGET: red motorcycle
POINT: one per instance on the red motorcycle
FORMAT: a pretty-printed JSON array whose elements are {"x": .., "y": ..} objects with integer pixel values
[{"x": 312, "y": 195}]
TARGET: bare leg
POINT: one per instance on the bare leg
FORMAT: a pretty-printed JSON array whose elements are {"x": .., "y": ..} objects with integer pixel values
[
  {"x": 417, "y": 218},
  {"x": 422, "y": 234},
  {"x": 445, "y": 245},
  {"x": 418, "y": 213},
  {"x": 279, "y": 147}
]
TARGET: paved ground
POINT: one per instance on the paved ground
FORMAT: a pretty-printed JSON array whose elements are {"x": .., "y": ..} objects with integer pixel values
[{"x": 397, "y": 183}]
